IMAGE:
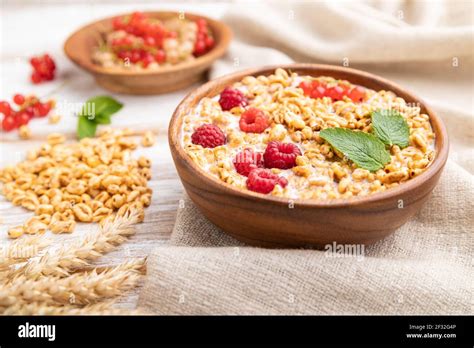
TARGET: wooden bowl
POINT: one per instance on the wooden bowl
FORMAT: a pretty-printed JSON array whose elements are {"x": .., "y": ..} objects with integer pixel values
[
  {"x": 80, "y": 45},
  {"x": 264, "y": 220}
]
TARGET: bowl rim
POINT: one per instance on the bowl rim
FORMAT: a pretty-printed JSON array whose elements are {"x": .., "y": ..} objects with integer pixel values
[
  {"x": 442, "y": 142},
  {"x": 215, "y": 53}
]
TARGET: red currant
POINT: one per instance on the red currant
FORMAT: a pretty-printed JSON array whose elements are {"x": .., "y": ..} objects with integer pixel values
[
  {"x": 137, "y": 17},
  {"x": 136, "y": 56},
  {"x": 335, "y": 93},
  {"x": 8, "y": 123},
  {"x": 117, "y": 23},
  {"x": 127, "y": 41},
  {"x": 43, "y": 109},
  {"x": 49, "y": 61},
  {"x": 160, "y": 56},
  {"x": 116, "y": 42},
  {"x": 306, "y": 87},
  {"x": 204, "y": 41},
  {"x": 357, "y": 94},
  {"x": 152, "y": 34},
  {"x": 35, "y": 62},
  {"x": 22, "y": 119},
  {"x": 19, "y": 99},
  {"x": 209, "y": 42},
  {"x": 149, "y": 41},
  {"x": 30, "y": 111},
  {"x": 318, "y": 92},
  {"x": 36, "y": 77},
  {"x": 147, "y": 59},
  {"x": 199, "y": 48},
  {"x": 43, "y": 68},
  {"x": 125, "y": 55},
  {"x": 201, "y": 23},
  {"x": 313, "y": 89},
  {"x": 30, "y": 107},
  {"x": 201, "y": 36},
  {"x": 5, "y": 108}
]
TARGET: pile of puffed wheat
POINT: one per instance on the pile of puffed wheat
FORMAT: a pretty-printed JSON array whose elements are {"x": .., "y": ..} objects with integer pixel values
[
  {"x": 93, "y": 180},
  {"x": 84, "y": 181}
]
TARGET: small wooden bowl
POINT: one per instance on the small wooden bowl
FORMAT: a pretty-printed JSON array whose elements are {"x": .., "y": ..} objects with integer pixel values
[
  {"x": 80, "y": 45},
  {"x": 264, "y": 220}
]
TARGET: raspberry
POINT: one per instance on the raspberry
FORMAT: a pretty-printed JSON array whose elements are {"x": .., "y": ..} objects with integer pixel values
[
  {"x": 281, "y": 155},
  {"x": 208, "y": 135},
  {"x": 253, "y": 120},
  {"x": 230, "y": 98},
  {"x": 246, "y": 161},
  {"x": 264, "y": 181}
]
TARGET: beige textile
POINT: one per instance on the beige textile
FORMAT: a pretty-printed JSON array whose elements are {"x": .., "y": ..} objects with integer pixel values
[{"x": 427, "y": 266}]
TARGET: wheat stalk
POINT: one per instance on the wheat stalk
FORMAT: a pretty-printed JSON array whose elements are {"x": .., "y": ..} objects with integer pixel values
[
  {"x": 77, "y": 255},
  {"x": 100, "y": 308},
  {"x": 77, "y": 289},
  {"x": 58, "y": 283},
  {"x": 39, "y": 308},
  {"x": 20, "y": 250}
]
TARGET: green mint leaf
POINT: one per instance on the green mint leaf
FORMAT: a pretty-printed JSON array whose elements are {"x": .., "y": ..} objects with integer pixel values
[
  {"x": 102, "y": 119},
  {"x": 364, "y": 149},
  {"x": 100, "y": 107},
  {"x": 390, "y": 127},
  {"x": 96, "y": 110},
  {"x": 85, "y": 128}
]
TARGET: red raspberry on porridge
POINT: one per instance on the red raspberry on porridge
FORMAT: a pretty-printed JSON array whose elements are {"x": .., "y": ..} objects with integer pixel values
[
  {"x": 253, "y": 120},
  {"x": 247, "y": 160},
  {"x": 231, "y": 98},
  {"x": 281, "y": 155},
  {"x": 208, "y": 135},
  {"x": 308, "y": 137},
  {"x": 264, "y": 181}
]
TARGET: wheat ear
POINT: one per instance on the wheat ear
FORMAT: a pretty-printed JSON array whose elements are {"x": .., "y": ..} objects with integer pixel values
[
  {"x": 77, "y": 289},
  {"x": 75, "y": 255},
  {"x": 100, "y": 308},
  {"x": 20, "y": 250},
  {"x": 39, "y": 308}
]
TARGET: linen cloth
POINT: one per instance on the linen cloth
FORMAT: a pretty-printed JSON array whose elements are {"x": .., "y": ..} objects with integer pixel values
[{"x": 426, "y": 267}]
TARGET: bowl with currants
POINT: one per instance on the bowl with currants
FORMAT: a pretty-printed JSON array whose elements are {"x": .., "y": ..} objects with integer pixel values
[{"x": 148, "y": 52}]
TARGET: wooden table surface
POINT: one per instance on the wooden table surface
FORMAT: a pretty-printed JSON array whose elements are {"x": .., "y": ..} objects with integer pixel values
[
  {"x": 52, "y": 24},
  {"x": 154, "y": 231}
]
